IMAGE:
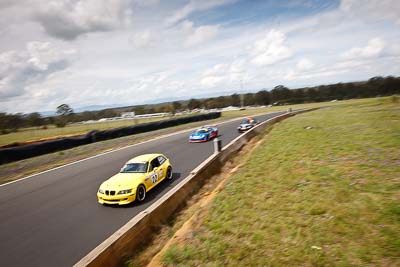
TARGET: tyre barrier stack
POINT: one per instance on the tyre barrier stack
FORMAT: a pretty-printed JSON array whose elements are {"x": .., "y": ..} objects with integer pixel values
[
  {"x": 11, "y": 154},
  {"x": 116, "y": 249}
]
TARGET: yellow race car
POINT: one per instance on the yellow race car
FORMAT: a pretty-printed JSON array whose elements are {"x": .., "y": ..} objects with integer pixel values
[{"x": 136, "y": 177}]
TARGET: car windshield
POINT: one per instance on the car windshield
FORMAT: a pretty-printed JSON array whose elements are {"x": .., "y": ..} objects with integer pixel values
[
  {"x": 245, "y": 122},
  {"x": 202, "y": 131},
  {"x": 134, "y": 168}
]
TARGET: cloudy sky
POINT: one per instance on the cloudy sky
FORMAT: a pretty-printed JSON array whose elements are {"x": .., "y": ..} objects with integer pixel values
[{"x": 126, "y": 52}]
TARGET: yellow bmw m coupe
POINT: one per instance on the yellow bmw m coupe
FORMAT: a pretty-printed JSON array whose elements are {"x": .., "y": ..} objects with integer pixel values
[{"x": 136, "y": 178}]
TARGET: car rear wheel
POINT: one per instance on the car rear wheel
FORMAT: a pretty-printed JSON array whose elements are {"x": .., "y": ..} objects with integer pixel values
[
  {"x": 169, "y": 173},
  {"x": 140, "y": 193}
]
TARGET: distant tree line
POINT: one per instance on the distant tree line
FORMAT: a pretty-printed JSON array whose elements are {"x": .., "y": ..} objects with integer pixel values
[{"x": 280, "y": 95}]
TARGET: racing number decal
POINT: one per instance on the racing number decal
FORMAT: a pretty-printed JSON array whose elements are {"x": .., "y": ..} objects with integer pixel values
[{"x": 154, "y": 177}]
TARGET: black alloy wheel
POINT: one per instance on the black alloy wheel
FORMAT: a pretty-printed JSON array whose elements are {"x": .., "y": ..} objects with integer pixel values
[
  {"x": 140, "y": 193},
  {"x": 169, "y": 173}
]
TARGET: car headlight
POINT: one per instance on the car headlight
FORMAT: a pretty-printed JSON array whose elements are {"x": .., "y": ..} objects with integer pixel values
[
  {"x": 127, "y": 191},
  {"x": 101, "y": 191}
]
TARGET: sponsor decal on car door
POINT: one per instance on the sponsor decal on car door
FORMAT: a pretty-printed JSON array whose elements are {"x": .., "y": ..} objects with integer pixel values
[{"x": 156, "y": 174}]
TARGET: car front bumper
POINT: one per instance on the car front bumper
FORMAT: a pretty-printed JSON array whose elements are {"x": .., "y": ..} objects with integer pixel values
[
  {"x": 116, "y": 199},
  {"x": 197, "y": 140},
  {"x": 243, "y": 129}
]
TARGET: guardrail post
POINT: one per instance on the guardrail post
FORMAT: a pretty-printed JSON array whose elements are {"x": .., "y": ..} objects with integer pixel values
[{"x": 217, "y": 145}]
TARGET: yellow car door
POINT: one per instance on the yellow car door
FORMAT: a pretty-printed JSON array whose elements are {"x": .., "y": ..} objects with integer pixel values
[
  {"x": 154, "y": 176},
  {"x": 163, "y": 167}
]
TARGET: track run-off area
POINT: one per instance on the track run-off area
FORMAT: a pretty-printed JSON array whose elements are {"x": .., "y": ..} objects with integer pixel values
[{"x": 53, "y": 218}]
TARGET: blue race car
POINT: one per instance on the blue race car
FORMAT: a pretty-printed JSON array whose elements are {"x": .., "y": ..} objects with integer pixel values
[{"x": 203, "y": 134}]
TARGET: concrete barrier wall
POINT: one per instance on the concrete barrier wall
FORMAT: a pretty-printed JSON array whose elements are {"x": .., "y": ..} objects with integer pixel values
[{"x": 138, "y": 231}]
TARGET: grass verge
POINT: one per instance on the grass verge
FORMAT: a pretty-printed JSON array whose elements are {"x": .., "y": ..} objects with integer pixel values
[{"x": 322, "y": 190}]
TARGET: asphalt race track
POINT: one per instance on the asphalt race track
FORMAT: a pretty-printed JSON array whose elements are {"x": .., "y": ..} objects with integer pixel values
[{"x": 53, "y": 219}]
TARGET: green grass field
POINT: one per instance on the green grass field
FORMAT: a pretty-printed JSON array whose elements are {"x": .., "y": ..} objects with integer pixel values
[
  {"x": 32, "y": 134},
  {"x": 323, "y": 189}
]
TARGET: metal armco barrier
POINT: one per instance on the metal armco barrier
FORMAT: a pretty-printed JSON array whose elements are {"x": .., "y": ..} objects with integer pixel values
[{"x": 138, "y": 231}]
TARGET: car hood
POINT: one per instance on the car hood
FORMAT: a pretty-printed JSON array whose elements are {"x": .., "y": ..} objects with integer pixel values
[
  {"x": 245, "y": 125},
  {"x": 123, "y": 181},
  {"x": 198, "y": 134}
]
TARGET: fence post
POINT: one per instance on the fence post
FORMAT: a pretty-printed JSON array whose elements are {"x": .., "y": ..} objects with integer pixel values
[{"x": 217, "y": 145}]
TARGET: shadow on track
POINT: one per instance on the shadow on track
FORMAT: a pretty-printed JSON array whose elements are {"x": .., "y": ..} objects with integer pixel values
[{"x": 153, "y": 194}]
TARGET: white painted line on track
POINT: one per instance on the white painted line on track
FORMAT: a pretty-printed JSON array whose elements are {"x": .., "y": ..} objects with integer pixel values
[{"x": 115, "y": 150}]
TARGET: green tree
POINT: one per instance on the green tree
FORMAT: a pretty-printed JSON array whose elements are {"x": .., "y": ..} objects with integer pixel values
[
  {"x": 15, "y": 121},
  {"x": 249, "y": 99},
  {"x": 34, "y": 119},
  {"x": 298, "y": 95},
  {"x": 262, "y": 97},
  {"x": 391, "y": 85},
  {"x": 65, "y": 114},
  {"x": 107, "y": 113},
  {"x": 311, "y": 94},
  {"x": 4, "y": 126},
  {"x": 193, "y": 104},
  {"x": 280, "y": 94},
  {"x": 64, "y": 110},
  {"x": 235, "y": 100},
  {"x": 176, "y": 106},
  {"x": 221, "y": 102}
]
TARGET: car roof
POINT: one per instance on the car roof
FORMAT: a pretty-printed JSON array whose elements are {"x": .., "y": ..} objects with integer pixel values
[{"x": 145, "y": 157}]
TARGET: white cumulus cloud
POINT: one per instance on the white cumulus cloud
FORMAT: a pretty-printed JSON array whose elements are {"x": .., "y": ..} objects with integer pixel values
[
  {"x": 67, "y": 20},
  {"x": 224, "y": 74},
  {"x": 21, "y": 68},
  {"x": 373, "y": 49},
  {"x": 200, "y": 34},
  {"x": 271, "y": 49},
  {"x": 304, "y": 64}
]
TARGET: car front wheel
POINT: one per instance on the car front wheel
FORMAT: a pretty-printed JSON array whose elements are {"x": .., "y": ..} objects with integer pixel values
[{"x": 140, "y": 193}]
